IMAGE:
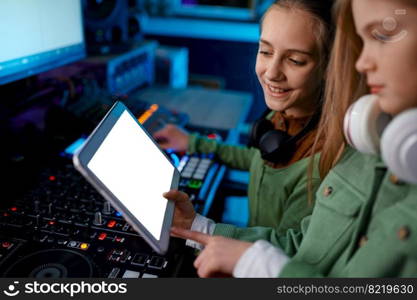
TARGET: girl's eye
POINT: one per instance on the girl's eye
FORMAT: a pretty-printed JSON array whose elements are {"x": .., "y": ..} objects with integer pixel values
[
  {"x": 297, "y": 62},
  {"x": 380, "y": 36},
  {"x": 384, "y": 35},
  {"x": 263, "y": 52}
]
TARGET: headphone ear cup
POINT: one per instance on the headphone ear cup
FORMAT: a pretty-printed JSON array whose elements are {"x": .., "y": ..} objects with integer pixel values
[
  {"x": 273, "y": 145},
  {"x": 399, "y": 146},
  {"x": 272, "y": 140},
  {"x": 364, "y": 123},
  {"x": 259, "y": 128}
]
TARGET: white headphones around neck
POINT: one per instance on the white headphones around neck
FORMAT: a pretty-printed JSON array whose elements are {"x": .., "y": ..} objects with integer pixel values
[{"x": 369, "y": 130}]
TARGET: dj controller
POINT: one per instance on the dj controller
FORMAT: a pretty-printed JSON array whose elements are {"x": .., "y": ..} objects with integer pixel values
[{"x": 62, "y": 227}]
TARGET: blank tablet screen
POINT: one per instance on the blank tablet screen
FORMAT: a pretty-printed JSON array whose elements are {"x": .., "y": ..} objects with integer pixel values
[{"x": 132, "y": 167}]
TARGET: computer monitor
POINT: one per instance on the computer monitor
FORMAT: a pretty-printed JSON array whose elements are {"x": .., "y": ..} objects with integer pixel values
[{"x": 38, "y": 35}]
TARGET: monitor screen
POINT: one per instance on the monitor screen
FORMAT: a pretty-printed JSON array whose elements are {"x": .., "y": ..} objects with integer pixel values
[{"x": 38, "y": 35}]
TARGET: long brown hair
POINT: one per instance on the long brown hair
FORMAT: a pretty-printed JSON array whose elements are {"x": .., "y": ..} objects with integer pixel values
[
  {"x": 343, "y": 86},
  {"x": 321, "y": 12}
]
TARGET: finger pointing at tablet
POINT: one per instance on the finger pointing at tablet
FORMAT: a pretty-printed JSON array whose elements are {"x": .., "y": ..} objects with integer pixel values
[
  {"x": 220, "y": 255},
  {"x": 199, "y": 237},
  {"x": 184, "y": 212}
]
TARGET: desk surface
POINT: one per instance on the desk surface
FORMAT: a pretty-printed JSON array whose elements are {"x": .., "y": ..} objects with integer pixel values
[{"x": 219, "y": 109}]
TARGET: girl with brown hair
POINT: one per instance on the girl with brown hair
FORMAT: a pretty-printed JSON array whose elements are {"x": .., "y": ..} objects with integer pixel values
[{"x": 290, "y": 66}]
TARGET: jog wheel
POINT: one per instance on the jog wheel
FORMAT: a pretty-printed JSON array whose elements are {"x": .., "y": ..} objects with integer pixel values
[{"x": 52, "y": 263}]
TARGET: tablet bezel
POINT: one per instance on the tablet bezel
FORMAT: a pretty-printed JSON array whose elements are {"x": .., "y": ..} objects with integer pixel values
[{"x": 85, "y": 154}]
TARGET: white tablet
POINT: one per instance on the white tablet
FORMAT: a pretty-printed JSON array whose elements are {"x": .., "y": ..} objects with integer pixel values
[{"x": 123, "y": 162}]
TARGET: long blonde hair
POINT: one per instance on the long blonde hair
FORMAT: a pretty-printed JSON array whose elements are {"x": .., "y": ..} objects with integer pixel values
[{"x": 343, "y": 86}]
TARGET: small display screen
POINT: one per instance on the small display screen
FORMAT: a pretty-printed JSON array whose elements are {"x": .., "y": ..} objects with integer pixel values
[{"x": 73, "y": 148}]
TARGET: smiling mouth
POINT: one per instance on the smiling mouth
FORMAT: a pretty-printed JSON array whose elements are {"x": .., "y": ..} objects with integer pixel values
[{"x": 276, "y": 90}]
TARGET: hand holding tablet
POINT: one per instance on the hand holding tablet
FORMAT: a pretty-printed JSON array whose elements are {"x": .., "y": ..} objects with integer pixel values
[{"x": 184, "y": 210}]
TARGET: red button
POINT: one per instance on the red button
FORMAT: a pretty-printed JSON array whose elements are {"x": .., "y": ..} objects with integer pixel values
[
  {"x": 102, "y": 236},
  {"x": 14, "y": 208},
  {"x": 5, "y": 244},
  {"x": 111, "y": 223},
  {"x": 52, "y": 178}
]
